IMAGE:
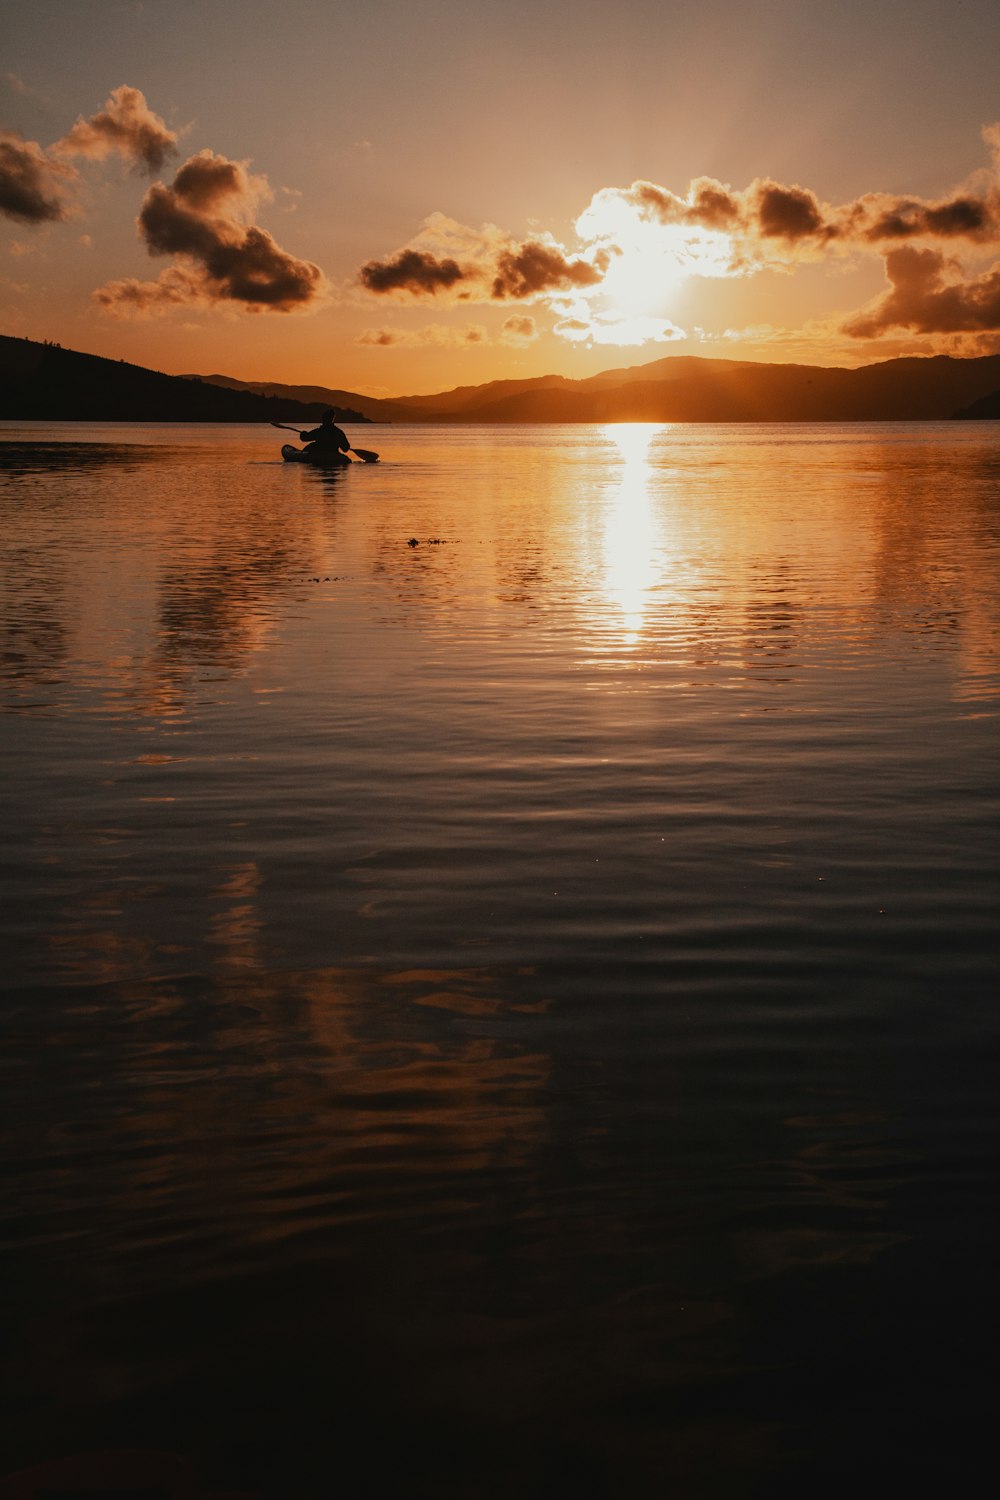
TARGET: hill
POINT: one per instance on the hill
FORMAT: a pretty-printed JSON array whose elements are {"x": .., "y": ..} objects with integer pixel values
[
  {"x": 309, "y": 395},
  {"x": 986, "y": 409},
  {"x": 681, "y": 388},
  {"x": 44, "y": 382}
]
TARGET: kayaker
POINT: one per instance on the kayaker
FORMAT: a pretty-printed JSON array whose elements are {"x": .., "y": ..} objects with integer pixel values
[{"x": 327, "y": 437}]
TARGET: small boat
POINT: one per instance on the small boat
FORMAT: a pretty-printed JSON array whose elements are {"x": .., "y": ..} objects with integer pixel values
[{"x": 328, "y": 459}]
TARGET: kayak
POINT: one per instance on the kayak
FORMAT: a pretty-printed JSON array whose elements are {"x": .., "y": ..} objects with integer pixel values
[{"x": 330, "y": 459}]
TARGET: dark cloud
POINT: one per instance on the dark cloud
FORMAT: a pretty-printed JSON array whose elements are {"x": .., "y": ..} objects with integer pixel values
[
  {"x": 921, "y": 299},
  {"x": 789, "y": 213},
  {"x": 125, "y": 125},
  {"x": 534, "y": 267},
  {"x": 908, "y": 218},
  {"x": 31, "y": 184},
  {"x": 206, "y": 181},
  {"x": 492, "y": 268},
  {"x": 415, "y": 271},
  {"x": 202, "y": 218}
]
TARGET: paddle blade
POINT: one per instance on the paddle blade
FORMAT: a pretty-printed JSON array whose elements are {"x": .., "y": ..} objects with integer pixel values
[{"x": 366, "y": 455}]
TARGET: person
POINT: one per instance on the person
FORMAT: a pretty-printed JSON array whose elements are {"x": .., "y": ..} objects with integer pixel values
[{"x": 327, "y": 437}]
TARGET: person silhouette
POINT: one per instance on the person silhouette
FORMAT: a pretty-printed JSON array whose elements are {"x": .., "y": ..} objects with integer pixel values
[{"x": 327, "y": 437}]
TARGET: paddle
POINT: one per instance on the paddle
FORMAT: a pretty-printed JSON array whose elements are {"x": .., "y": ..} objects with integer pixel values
[{"x": 365, "y": 454}]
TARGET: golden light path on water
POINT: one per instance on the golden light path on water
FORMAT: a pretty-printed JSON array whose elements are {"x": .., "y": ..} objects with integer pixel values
[{"x": 630, "y": 541}]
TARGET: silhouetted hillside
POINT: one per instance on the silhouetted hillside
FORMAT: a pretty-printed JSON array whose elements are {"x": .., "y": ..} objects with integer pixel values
[
  {"x": 986, "y": 409},
  {"x": 48, "y": 383},
  {"x": 309, "y": 395},
  {"x": 683, "y": 389},
  {"x": 42, "y": 381}
]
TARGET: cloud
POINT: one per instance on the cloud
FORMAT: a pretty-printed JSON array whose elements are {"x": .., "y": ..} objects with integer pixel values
[
  {"x": 878, "y": 218},
  {"x": 765, "y": 222},
  {"x": 202, "y": 218},
  {"x": 131, "y": 298},
  {"x": 518, "y": 330},
  {"x": 583, "y": 328},
  {"x": 32, "y": 185},
  {"x": 536, "y": 267},
  {"x": 636, "y": 245},
  {"x": 433, "y": 335},
  {"x": 35, "y": 184},
  {"x": 18, "y": 85},
  {"x": 775, "y": 225},
  {"x": 452, "y": 262},
  {"x": 414, "y": 271},
  {"x": 125, "y": 125},
  {"x": 789, "y": 213},
  {"x": 922, "y": 299}
]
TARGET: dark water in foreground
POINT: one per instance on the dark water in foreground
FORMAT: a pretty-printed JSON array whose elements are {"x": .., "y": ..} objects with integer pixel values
[{"x": 512, "y": 1015}]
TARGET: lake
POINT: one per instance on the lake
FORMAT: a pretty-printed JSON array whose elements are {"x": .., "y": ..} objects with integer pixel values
[{"x": 500, "y": 987}]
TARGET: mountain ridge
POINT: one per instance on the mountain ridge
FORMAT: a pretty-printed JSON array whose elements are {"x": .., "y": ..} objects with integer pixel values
[
  {"x": 686, "y": 388},
  {"x": 45, "y": 381}
]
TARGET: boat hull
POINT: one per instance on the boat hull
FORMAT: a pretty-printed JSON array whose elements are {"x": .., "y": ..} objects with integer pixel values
[{"x": 328, "y": 460}]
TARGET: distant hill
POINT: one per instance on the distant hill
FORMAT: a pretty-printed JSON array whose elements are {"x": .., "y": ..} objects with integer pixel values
[
  {"x": 681, "y": 388},
  {"x": 43, "y": 380},
  {"x": 310, "y": 395},
  {"x": 986, "y": 409},
  {"x": 49, "y": 383}
]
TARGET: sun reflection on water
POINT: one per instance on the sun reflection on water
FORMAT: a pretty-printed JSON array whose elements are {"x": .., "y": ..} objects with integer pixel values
[{"x": 629, "y": 541}]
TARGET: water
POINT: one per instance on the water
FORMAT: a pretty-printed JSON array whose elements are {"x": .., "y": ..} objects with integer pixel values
[{"x": 512, "y": 1014}]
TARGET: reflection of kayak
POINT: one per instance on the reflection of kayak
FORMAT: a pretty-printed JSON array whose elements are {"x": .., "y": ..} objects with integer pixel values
[{"x": 330, "y": 459}]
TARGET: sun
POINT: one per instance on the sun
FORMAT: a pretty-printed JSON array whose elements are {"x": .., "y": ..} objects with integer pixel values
[
  {"x": 644, "y": 276},
  {"x": 651, "y": 261}
]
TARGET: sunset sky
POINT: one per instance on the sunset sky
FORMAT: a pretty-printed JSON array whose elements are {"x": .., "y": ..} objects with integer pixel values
[{"x": 402, "y": 196}]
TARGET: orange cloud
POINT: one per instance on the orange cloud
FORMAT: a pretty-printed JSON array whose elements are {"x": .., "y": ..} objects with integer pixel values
[
  {"x": 202, "y": 218},
  {"x": 126, "y": 126},
  {"x": 434, "y": 335},
  {"x": 519, "y": 329}
]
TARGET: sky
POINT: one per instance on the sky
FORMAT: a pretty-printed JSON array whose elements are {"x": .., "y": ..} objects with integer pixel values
[{"x": 403, "y": 196}]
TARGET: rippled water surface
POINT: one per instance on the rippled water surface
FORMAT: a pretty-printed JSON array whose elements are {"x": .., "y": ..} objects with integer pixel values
[{"x": 500, "y": 956}]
